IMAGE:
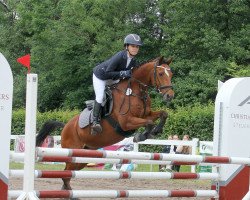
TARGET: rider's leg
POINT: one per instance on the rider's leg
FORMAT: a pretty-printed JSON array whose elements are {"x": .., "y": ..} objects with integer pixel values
[
  {"x": 99, "y": 86},
  {"x": 96, "y": 127}
]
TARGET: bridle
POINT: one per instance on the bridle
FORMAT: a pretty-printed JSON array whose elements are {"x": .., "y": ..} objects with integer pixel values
[
  {"x": 143, "y": 93},
  {"x": 156, "y": 78}
]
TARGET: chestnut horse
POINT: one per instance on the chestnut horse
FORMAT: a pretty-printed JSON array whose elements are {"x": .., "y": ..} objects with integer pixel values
[{"x": 131, "y": 110}]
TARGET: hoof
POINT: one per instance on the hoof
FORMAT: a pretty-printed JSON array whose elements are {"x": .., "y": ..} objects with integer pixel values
[
  {"x": 156, "y": 131},
  {"x": 139, "y": 137},
  {"x": 150, "y": 136},
  {"x": 66, "y": 188}
]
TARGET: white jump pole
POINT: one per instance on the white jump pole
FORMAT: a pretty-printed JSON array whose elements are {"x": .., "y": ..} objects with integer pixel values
[
  {"x": 6, "y": 94},
  {"x": 117, "y": 175},
  {"x": 114, "y": 194},
  {"x": 30, "y": 136}
]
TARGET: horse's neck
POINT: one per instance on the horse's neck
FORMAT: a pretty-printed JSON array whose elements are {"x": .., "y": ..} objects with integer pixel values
[{"x": 142, "y": 73}]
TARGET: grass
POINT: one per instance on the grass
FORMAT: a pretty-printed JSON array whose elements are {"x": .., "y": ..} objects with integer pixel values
[
  {"x": 155, "y": 168},
  {"x": 38, "y": 166}
]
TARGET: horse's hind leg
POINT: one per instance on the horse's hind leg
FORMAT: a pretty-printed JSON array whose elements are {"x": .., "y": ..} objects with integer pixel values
[{"x": 71, "y": 166}]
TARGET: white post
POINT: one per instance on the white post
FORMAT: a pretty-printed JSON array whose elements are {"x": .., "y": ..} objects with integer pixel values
[
  {"x": 194, "y": 148},
  {"x": 136, "y": 149},
  {"x": 30, "y": 135},
  {"x": 6, "y": 93}
]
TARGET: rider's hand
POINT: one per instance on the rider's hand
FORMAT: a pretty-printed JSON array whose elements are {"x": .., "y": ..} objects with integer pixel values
[{"x": 125, "y": 74}]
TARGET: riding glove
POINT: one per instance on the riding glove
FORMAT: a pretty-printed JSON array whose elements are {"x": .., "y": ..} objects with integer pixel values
[{"x": 125, "y": 74}]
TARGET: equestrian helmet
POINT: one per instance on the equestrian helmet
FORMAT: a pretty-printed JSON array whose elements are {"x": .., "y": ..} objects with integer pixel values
[{"x": 133, "y": 39}]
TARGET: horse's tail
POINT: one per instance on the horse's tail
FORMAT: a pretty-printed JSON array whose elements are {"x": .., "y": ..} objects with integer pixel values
[{"x": 47, "y": 128}]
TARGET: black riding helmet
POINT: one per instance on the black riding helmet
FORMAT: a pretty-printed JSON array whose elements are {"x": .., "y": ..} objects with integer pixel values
[{"x": 133, "y": 39}]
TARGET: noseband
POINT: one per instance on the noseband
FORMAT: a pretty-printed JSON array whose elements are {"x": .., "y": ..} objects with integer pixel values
[{"x": 156, "y": 78}]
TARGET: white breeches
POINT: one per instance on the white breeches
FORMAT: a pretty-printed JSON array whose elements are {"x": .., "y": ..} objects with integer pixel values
[{"x": 99, "y": 87}]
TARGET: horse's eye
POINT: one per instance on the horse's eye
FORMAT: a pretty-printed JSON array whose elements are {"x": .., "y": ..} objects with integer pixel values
[{"x": 161, "y": 74}]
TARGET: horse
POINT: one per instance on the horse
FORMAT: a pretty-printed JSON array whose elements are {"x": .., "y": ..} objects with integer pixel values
[{"x": 131, "y": 110}]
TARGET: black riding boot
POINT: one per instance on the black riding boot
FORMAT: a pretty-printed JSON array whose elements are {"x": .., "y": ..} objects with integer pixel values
[{"x": 96, "y": 127}]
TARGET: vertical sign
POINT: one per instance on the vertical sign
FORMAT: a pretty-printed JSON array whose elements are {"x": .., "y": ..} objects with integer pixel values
[
  {"x": 6, "y": 92},
  {"x": 232, "y": 135}
]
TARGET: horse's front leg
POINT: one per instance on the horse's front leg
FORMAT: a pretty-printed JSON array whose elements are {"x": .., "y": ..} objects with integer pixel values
[
  {"x": 152, "y": 130},
  {"x": 163, "y": 118},
  {"x": 145, "y": 135},
  {"x": 132, "y": 123}
]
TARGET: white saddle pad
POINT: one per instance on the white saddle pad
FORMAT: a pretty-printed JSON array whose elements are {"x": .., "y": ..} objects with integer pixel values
[{"x": 85, "y": 118}]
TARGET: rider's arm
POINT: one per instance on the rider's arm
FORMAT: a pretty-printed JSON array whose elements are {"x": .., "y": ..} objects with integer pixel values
[{"x": 112, "y": 71}]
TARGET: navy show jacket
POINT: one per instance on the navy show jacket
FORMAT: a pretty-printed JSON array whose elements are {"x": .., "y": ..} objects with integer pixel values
[{"x": 110, "y": 69}]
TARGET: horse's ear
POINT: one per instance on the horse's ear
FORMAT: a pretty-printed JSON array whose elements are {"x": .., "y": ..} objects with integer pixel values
[
  {"x": 169, "y": 60},
  {"x": 161, "y": 59}
]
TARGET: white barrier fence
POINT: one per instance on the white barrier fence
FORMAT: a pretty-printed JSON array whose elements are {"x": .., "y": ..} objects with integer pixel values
[
  {"x": 19, "y": 145},
  {"x": 231, "y": 146}
]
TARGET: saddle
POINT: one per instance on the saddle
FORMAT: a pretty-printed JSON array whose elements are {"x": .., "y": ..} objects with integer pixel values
[{"x": 86, "y": 116}]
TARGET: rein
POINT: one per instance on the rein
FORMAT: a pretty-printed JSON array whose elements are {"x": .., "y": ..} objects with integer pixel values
[{"x": 143, "y": 95}]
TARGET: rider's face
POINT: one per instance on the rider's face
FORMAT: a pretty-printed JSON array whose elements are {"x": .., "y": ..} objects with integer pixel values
[{"x": 133, "y": 49}]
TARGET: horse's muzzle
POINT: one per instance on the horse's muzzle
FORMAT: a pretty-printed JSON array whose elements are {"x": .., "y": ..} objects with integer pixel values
[{"x": 168, "y": 96}]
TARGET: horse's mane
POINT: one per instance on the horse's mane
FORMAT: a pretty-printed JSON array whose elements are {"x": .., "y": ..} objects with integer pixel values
[
  {"x": 144, "y": 62},
  {"x": 164, "y": 61}
]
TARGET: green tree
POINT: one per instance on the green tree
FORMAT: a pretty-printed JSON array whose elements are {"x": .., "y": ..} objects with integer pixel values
[
  {"x": 67, "y": 39},
  {"x": 204, "y": 37}
]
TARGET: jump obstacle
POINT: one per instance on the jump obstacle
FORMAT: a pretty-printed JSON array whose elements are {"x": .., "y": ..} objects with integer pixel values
[{"x": 231, "y": 151}]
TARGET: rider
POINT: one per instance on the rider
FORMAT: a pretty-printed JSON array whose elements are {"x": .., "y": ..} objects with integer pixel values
[{"x": 115, "y": 68}]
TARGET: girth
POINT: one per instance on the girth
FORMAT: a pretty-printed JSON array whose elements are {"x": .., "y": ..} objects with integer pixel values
[{"x": 117, "y": 127}]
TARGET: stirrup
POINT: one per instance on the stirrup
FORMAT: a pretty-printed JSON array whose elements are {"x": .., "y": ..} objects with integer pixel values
[{"x": 96, "y": 128}]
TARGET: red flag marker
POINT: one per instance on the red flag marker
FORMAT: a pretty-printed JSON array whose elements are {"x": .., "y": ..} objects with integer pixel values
[{"x": 25, "y": 60}]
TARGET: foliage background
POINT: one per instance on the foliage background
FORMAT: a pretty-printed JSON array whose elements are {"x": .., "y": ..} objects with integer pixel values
[{"x": 209, "y": 40}]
